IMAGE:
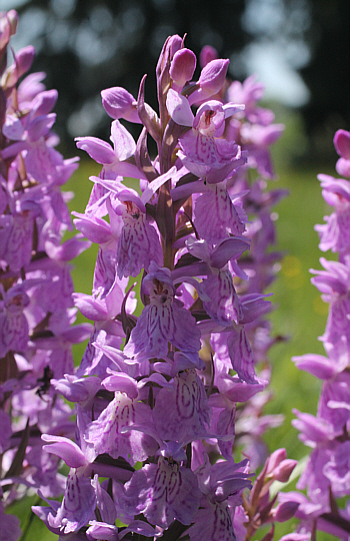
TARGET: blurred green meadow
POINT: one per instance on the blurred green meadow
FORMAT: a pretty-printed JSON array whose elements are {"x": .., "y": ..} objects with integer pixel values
[{"x": 299, "y": 313}]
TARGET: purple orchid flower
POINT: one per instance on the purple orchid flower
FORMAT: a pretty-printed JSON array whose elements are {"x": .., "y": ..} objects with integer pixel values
[
  {"x": 162, "y": 321},
  {"x": 202, "y": 151}
]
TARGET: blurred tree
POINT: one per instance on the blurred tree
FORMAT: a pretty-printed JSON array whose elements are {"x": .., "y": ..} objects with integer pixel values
[
  {"x": 327, "y": 75},
  {"x": 86, "y": 46}
]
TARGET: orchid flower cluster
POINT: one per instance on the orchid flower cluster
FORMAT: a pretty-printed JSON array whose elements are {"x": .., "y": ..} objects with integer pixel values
[
  {"x": 157, "y": 389},
  {"x": 326, "y": 476},
  {"x": 36, "y": 304}
]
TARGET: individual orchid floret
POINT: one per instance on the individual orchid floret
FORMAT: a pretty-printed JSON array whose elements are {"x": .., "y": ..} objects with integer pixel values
[
  {"x": 222, "y": 302},
  {"x": 228, "y": 219},
  {"x": 337, "y": 470},
  {"x": 163, "y": 492},
  {"x": 222, "y": 485},
  {"x": 342, "y": 146},
  {"x": 170, "y": 47},
  {"x": 106, "y": 435},
  {"x": 256, "y": 140},
  {"x": 322, "y": 367},
  {"x": 249, "y": 93},
  {"x": 79, "y": 500},
  {"x": 334, "y": 283},
  {"x": 234, "y": 344},
  {"x": 78, "y": 505},
  {"x": 162, "y": 321},
  {"x": 74, "y": 389},
  {"x": 202, "y": 151},
  {"x": 181, "y": 412},
  {"x": 138, "y": 242},
  {"x": 14, "y": 326},
  {"x": 107, "y": 329},
  {"x": 42, "y": 162},
  {"x": 279, "y": 467}
]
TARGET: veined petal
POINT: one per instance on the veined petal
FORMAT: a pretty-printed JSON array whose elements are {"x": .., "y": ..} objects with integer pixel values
[
  {"x": 119, "y": 103},
  {"x": 98, "y": 150},
  {"x": 123, "y": 141},
  {"x": 65, "y": 449},
  {"x": 179, "y": 109}
]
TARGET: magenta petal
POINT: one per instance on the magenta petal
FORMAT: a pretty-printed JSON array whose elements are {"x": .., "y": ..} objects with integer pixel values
[
  {"x": 124, "y": 144},
  {"x": 102, "y": 530},
  {"x": 179, "y": 109},
  {"x": 40, "y": 126},
  {"x": 97, "y": 149},
  {"x": 119, "y": 103},
  {"x": 44, "y": 102},
  {"x": 182, "y": 66},
  {"x": 230, "y": 248},
  {"x": 95, "y": 229},
  {"x": 317, "y": 365},
  {"x": 13, "y": 128},
  {"x": 122, "y": 383},
  {"x": 91, "y": 308},
  {"x": 342, "y": 143},
  {"x": 65, "y": 449},
  {"x": 68, "y": 250},
  {"x": 238, "y": 391}
]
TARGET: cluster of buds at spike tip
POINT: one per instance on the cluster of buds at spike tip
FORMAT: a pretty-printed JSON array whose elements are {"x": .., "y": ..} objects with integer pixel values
[{"x": 260, "y": 505}]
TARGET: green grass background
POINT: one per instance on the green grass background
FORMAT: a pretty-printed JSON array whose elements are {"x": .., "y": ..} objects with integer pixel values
[{"x": 299, "y": 311}]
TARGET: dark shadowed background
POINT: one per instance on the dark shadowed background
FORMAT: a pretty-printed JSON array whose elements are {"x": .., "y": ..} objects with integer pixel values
[{"x": 298, "y": 48}]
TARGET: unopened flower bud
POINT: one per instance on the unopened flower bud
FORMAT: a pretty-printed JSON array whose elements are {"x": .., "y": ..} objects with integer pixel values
[
  {"x": 275, "y": 459},
  {"x": 12, "y": 17},
  {"x": 283, "y": 471},
  {"x": 170, "y": 47},
  {"x": 119, "y": 103},
  {"x": 24, "y": 59},
  {"x": 211, "y": 80},
  {"x": 342, "y": 146},
  {"x": 285, "y": 511},
  {"x": 182, "y": 66},
  {"x": 207, "y": 54}
]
